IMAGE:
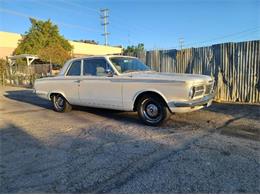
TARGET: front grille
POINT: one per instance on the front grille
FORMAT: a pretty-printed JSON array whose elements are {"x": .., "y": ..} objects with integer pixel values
[{"x": 201, "y": 90}]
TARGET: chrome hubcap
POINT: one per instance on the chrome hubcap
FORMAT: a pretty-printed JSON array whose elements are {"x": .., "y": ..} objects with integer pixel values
[
  {"x": 59, "y": 102},
  {"x": 152, "y": 110}
]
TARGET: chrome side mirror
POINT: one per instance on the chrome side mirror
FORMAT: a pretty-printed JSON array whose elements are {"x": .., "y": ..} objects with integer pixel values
[{"x": 109, "y": 73}]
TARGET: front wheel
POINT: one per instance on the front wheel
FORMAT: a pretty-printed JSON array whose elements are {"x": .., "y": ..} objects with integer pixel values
[
  {"x": 60, "y": 104},
  {"x": 152, "y": 110}
]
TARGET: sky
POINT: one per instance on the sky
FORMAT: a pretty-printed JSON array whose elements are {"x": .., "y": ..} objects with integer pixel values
[{"x": 159, "y": 24}]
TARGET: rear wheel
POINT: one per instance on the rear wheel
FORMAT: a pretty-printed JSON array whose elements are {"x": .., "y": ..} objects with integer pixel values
[
  {"x": 152, "y": 110},
  {"x": 60, "y": 104}
]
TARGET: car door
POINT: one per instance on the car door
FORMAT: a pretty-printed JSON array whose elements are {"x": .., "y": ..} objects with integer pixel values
[
  {"x": 70, "y": 83},
  {"x": 97, "y": 88}
]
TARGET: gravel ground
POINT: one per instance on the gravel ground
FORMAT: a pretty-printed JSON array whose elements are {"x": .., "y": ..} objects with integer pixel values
[{"x": 214, "y": 150}]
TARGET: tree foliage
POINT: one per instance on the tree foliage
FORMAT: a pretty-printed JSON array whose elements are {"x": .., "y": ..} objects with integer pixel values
[
  {"x": 3, "y": 70},
  {"x": 133, "y": 50},
  {"x": 55, "y": 54},
  {"x": 87, "y": 41},
  {"x": 44, "y": 35},
  {"x": 3, "y": 66}
]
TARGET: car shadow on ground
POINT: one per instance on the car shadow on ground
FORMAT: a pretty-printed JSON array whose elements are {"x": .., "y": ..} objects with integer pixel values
[
  {"x": 99, "y": 159},
  {"x": 27, "y": 96},
  {"x": 251, "y": 111},
  {"x": 129, "y": 117}
]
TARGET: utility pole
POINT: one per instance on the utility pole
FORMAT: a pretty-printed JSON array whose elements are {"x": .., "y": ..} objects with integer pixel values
[
  {"x": 104, "y": 17},
  {"x": 181, "y": 43},
  {"x": 128, "y": 39}
]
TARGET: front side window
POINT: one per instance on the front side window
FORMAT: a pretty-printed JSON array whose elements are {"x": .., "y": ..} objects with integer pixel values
[
  {"x": 75, "y": 68},
  {"x": 125, "y": 65},
  {"x": 95, "y": 67}
]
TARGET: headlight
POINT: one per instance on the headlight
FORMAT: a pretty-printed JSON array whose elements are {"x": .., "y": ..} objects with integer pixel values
[{"x": 192, "y": 92}]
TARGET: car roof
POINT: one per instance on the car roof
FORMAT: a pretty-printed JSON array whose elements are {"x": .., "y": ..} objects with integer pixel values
[
  {"x": 102, "y": 56},
  {"x": 67, "y": 64}
]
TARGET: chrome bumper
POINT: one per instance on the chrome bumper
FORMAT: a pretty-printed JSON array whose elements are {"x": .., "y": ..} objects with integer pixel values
[
  {"x": 42, "y": 94},
  {"x": 193, "y": 103}
]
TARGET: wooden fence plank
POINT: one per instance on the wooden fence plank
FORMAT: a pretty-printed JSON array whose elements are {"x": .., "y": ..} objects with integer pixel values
[{"x": 235, "y": 67}]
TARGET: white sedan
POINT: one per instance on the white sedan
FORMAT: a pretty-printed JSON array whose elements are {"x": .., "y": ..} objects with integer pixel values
[{"x": 125, "y": 83}]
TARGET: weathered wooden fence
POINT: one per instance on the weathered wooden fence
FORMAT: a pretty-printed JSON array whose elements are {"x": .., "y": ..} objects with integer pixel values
[
  {"x": 23, "y": 75},
  {"x": 235, "y": 66}
]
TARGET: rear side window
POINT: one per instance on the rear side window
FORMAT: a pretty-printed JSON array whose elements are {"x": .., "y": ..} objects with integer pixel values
[{"x": 75, "y": 68}]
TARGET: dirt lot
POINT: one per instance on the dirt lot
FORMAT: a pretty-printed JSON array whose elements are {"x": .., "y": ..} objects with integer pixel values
[{"x": 215, "y": 150}]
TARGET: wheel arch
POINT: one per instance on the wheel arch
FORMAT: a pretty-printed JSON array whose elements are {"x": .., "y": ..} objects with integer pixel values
[
  {"x": 55, "y": 93},
  {"x": 155, "y": 93}
]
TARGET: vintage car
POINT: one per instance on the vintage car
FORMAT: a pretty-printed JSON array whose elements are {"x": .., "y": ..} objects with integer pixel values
[{"x": 125, "y": 83}]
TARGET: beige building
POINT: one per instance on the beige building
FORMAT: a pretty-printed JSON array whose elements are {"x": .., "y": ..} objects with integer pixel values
[{"x": 9, "y": 41}]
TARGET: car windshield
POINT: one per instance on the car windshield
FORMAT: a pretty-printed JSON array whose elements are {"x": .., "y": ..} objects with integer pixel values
[{"x": 125, "y": 65}]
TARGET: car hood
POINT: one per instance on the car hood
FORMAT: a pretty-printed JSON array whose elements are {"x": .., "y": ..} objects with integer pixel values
[{"x": 188, "y": 78}]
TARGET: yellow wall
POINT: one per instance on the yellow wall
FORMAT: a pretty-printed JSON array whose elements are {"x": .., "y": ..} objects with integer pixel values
[
  {"x": 91, "y": 49},
  {"x": 9, "y": 41}
]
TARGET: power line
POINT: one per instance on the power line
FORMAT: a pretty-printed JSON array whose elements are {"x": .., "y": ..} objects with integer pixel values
[
  {"x": 104, "y": 17},
  {"x": 246, "y": 35},
  {"x": 241, "y": 33},
  {"x": 73, "y": 26},
  {"x": 119, "y": 28},
  {"x": 84, "y": 13},
  {"x": 251, "y": 30},
  {"x": 63, "y": 8},
  {"x": 121, "y": 22},
  {"x": 77, "y": 5},
  {"x": 60, "y": 23}
]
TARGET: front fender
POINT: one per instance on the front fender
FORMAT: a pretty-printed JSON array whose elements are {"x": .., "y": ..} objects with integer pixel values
[
  {"x": 59, "y": 92},
  {"x": 149, "y": 90}
]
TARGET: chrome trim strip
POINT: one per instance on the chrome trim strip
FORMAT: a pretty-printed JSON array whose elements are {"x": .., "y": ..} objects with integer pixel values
[
  {"x": 146, "y": 81},
  {"x": 114, "y": 79},
  {"x": 37, "y": 92}
]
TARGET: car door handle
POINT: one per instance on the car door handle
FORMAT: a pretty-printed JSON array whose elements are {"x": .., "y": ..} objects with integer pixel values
[{"x": 77, "y": 81}]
